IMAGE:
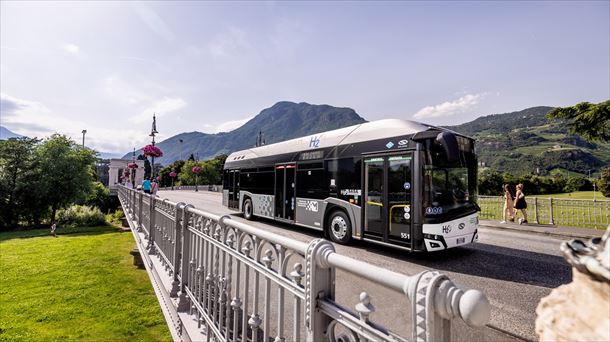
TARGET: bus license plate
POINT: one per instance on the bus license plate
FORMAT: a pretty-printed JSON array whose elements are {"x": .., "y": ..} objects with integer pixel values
[{"x": 460, "y": 241}]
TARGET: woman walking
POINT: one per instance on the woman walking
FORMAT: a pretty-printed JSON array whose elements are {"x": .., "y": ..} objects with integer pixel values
[
  {"x": 509, "y": 210},
  {"x": 520, "y": 203}
]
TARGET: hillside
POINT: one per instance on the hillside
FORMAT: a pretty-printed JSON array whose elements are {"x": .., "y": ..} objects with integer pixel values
[
  {"x": 6, "y": 134},
  {"x": 526, "y": 142},
  {"x": 282, "y": 121}
]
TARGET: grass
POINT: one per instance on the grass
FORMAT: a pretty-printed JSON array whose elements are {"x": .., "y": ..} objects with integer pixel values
[{"x": 79, "y": 286}]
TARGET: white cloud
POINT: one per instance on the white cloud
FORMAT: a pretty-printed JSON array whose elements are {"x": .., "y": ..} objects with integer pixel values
[
  {"x": 33, "y": 119},
  {"x": 231, "y": 42},
  {"x": 161, "y": 108},
  {"x": 123, "y": 92},
  {"x": 152, "y": 20},
  {"x": 231, "y": 125},
  {"x": 450, "y": 107},
  {"x": 71, "y": 48}
]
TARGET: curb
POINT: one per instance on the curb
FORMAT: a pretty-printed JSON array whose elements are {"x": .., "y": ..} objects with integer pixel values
[{"x": 545, "y": 232}]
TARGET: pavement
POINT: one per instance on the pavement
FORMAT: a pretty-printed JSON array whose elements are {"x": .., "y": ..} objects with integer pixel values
[{"x": 545, "y": 229}]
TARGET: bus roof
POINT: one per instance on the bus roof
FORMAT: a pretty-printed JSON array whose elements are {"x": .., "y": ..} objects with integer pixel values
[{"x": 353, "y": 134}]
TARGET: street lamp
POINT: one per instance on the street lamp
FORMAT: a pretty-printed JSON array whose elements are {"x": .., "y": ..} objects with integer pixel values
[
  {"x": 84, "y": 132},
  {"x": 181, "y": 141},
  {"x": 153, "y": 131}
]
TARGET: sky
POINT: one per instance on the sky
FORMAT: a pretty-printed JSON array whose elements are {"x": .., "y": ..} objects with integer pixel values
[{"x": 210, "y": 66}]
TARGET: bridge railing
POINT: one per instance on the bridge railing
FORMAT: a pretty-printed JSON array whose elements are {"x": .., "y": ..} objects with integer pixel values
[
  {"x": 202, "y": 187},
  {"x": 554, "y": 211},
  {"x": 242, "y": 283}
]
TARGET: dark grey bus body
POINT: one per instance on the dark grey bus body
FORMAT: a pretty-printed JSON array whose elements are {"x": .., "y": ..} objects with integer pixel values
[{"x": 396, "y": 182}]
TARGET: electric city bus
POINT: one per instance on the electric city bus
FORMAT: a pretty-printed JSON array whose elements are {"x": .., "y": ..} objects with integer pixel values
[{"x": 391, "y": 182}]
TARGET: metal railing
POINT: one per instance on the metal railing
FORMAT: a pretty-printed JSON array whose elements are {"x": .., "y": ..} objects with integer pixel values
[
  {"x": 554, "y": 211},
  {"x": 242, "y": 283},
  {"x": 203, "y": 187}
]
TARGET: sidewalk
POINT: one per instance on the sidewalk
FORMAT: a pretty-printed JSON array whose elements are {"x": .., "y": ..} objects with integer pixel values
[{"x": 543, "y": 229}]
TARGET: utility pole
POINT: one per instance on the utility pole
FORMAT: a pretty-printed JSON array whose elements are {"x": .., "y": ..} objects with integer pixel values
[{"x": 84, "y": 132}]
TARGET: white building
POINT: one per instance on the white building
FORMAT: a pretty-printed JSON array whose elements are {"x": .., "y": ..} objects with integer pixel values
[{"x": 116, "y": 169}]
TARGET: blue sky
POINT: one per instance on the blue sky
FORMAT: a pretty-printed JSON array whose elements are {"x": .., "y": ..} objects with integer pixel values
[{"x": 209, "y": 66}]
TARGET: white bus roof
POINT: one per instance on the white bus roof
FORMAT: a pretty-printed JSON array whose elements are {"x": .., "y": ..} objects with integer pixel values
[{"x": 353, "y": 134}]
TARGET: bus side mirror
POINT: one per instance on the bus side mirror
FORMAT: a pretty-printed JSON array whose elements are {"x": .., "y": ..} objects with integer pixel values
[{"x": 449, "y": 143}]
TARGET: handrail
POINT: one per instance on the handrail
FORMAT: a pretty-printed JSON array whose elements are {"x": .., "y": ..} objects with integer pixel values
[{"x": 228, "y": 274}]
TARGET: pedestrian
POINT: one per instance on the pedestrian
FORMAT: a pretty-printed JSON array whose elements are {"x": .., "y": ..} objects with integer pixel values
[
  {"x": 53, "y": 227},
  {"x": 154, "y": 187},
  {"x": 520, "y": 203},
  {"x": 146, "y": 186},
  {"x": 509, "y": 209}
]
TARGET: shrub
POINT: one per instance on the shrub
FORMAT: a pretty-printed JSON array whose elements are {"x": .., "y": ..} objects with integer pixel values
[{"x": 80, "y": 215}]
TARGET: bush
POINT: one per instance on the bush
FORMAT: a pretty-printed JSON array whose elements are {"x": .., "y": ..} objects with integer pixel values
[
  {"x": 115, "y": 218},
  {"x": 78, "y": 216}
]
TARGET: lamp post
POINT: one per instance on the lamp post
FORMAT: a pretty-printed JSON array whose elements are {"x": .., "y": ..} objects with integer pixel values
[
  {"x": 84, "y": 132},
  {"x": 181, "y": 141},
  {"x": 153, "y": 131}
]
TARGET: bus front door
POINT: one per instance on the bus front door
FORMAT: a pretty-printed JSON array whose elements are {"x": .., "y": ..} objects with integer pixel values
[
  {"x": 285, "y": 191},
  {"x": 234, "y": 189},
  {"x": 387, "y": 198}
]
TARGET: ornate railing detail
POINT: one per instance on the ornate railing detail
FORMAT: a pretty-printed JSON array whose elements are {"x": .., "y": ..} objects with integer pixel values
[{"x": 241, "y": 283}]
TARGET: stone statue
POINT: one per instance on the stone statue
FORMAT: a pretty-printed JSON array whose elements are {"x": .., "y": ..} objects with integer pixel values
[{"x": 579, "y": 311}]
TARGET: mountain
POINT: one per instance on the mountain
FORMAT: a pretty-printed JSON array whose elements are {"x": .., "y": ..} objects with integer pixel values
[
  {"x": 6, "y": 134},
  {"x": 527, "y": 142},
  {"x": 282, "y": 121}
]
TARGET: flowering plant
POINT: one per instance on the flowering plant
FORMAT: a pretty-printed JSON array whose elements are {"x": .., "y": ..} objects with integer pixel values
[
  {"x": 172, "y": 174},
  {"x": 196, "y": 169},
  {"x": 132, "y": 165},
  {"x": 158, "y": 178},
  {"x": 152, "y": 151},
  {"x": 126, "y": 173}
]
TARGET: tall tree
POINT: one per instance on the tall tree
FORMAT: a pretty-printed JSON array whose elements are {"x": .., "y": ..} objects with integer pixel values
[
  {"x": 68, "y": 171},
  {"x": 591, "y": 121},
  {"x": 16, "y": 159}
]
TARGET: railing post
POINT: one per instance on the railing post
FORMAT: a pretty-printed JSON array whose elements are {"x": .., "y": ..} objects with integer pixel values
[
  {"x": 536, "y": 210},
  {"x": 551, "y": 211},
  {"x": 435, "y": 300},
  {"x": 140, "y": 203},
  {"x": 183, "y": 304},
  {"x": 177, "y": 238},
  {"x": 151, "y": 228},
  {"x": 319, "y": 284}
]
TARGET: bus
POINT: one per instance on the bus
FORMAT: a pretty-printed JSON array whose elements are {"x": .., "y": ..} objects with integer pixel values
[{"x": 392, "y": 182}]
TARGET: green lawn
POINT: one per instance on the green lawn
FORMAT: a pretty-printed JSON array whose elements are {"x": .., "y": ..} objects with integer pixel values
[{"x": 78, "y": 286}]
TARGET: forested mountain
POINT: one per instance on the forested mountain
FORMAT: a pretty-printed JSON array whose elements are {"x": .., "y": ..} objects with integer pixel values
[
  {"x": 282, "y": 121},
  {"x": 527, "y": 142},
  {"x": 6, "y": 134},
  {"x": 522, "y": 142}
]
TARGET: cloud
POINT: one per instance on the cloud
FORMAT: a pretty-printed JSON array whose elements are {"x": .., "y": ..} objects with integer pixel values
[
  {"x": 160, "y": 108},
  {"x": 450, "y": 108},
  {"x": 71, "y": 48},
  {"x": 232, "y": 42},
  {"x": 153, "y": 20},
  {"x": 231, "y": 125},
  {"x": 12, "y": 108}
]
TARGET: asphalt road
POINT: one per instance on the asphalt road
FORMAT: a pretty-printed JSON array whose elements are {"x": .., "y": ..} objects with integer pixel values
[{"x": 515, "y": 270}]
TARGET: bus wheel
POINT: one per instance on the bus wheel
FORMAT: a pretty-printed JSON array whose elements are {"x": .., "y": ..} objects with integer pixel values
[
  {"x": 339, "y": 227},
  {"x": 248, "y": 210}
]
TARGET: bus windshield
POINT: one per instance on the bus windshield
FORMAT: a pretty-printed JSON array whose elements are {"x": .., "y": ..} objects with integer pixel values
[{"x": 449, "y": 187}]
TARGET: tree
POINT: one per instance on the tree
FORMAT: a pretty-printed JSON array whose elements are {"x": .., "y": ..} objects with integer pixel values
[
  {"x": 67, "y": 171},
  {"x": 591, "y": 121},
  {"x": 16, "y": 160},
  {"x": 490, "y": 182},
  {"x": 604, "y": 182}
]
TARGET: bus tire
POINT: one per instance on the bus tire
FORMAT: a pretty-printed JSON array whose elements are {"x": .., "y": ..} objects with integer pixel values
[
  {"x": 339, "y": 227},
  {"x": 248, "y": 210}
]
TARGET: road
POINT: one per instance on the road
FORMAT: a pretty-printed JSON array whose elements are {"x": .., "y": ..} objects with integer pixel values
[{"x": 515, "y": 270}]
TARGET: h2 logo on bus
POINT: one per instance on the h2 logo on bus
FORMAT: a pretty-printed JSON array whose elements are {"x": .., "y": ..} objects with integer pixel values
[{"x": 314, "y": 142}]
